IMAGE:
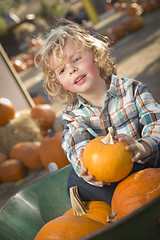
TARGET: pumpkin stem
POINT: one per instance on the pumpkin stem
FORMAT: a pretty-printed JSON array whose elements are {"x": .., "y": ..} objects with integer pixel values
[
  {"x": 112, "y": 217},
  {"x": 50, "y": 133},
  {"x": 109, "y": 139},
  {"x": 78, "y": 207}
]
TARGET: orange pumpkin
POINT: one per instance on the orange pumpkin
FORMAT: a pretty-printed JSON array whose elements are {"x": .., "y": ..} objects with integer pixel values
[
  {"x": 154, "y": 4},
  {"x": 38, "y": 100},
  {"x": 112, "y": 37},
  {"x": 18, "y": 65},
  {"x": 70, "y": 226},
  {"x": 51, "y": 151},
  {"x": 119, "y": 31},
  {"x": 97, "y": 210},
  {"x": 7, "y": 111},
  {"x": 135, "y": 191},
  {"x": 107, "y": 159},
  {"x": 16, "y": 150},
  {"x": 44, "y": 114},
  {"x": 120, "y": 6},
  {"x": 135, "y": 23},
  {"x": 3, "y": 157},
  {"x": 30, "y": 155},
  {"x": 12, "y": 170},
  {"x": 134, "y": 9},
  {"x": 147, "y": 7}
]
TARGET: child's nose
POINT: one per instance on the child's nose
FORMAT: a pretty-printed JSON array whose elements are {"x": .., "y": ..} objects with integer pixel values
[{"x": 72, "y": 70}]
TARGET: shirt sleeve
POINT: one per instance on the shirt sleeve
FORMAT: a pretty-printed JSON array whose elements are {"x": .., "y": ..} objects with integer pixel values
[
  {"x": 149, "y": 115},
  {"x": 76, "y": 135}
]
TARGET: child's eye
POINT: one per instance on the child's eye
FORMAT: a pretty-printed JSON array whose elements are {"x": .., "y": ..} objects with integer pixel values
[
  {"x": 76, "y": 59},
  {"x": 62, "y": 71}
]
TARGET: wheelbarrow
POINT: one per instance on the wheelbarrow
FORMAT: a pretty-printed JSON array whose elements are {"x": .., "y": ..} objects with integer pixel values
[{"x": 27, "y": 211}]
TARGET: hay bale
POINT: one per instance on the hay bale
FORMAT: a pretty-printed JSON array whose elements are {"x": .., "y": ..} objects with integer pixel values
[{"x": 20, "y": 129}]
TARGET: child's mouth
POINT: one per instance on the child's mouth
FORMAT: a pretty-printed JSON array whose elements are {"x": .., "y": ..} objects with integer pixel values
[{"x": 80, "y": 80}]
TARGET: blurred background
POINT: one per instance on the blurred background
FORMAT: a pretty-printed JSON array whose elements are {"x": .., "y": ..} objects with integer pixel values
[{"x": 24, "y": 24}]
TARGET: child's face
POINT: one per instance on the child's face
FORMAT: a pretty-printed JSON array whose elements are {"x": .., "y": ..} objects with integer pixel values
[{"x": 76, "y": 70}]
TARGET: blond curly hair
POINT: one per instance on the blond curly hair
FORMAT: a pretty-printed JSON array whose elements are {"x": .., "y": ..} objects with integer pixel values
[{"x": 97, "y": 44}]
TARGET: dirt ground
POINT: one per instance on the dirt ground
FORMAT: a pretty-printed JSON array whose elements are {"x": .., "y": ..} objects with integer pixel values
[{"x": 137, "y": 56}]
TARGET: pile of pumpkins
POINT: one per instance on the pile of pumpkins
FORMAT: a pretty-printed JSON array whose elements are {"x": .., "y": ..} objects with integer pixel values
[
  {"x": 103, "y": 156},
  {"x": 25, "y": 60},
  {"x": 109, "y": 161},
  {"x": 134, "y": 20},
  {"x": 35, "y": 154},
  {"x": 131, "y": 7},
  {"x": 86, "y": 217}
]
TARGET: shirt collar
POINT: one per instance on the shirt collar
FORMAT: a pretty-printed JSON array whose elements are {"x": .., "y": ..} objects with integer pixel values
[
  {"x": 116, "y": 89},
  {"x": 76, "y": 103},
  {"x": 81, "y": 101}
]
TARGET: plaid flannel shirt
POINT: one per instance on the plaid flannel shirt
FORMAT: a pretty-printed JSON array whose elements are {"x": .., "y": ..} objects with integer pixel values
[{"x": 128, "y": 107}]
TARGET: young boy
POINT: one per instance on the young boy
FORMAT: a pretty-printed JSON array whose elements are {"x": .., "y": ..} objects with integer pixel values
[{"x": 79, "y": 71}]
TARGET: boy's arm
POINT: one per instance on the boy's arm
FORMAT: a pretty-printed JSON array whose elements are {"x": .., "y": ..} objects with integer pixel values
[
  {"x": 149, "y": 118},
  {"x": 76, "y": 135}
]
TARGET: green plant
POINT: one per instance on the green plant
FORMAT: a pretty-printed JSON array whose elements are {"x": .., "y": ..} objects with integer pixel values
[
  {"x": 3, "y": 26},
  {"x": 56, "y": 9}
]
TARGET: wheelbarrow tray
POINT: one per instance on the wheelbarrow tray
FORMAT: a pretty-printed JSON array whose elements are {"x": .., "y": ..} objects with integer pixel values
[{"x": 27, "y": 211}]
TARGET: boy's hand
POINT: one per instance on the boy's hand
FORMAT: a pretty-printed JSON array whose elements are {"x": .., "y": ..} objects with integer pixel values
[
  {"x": 90, "y": 178},
  {"x": 140, "y": 150}
]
